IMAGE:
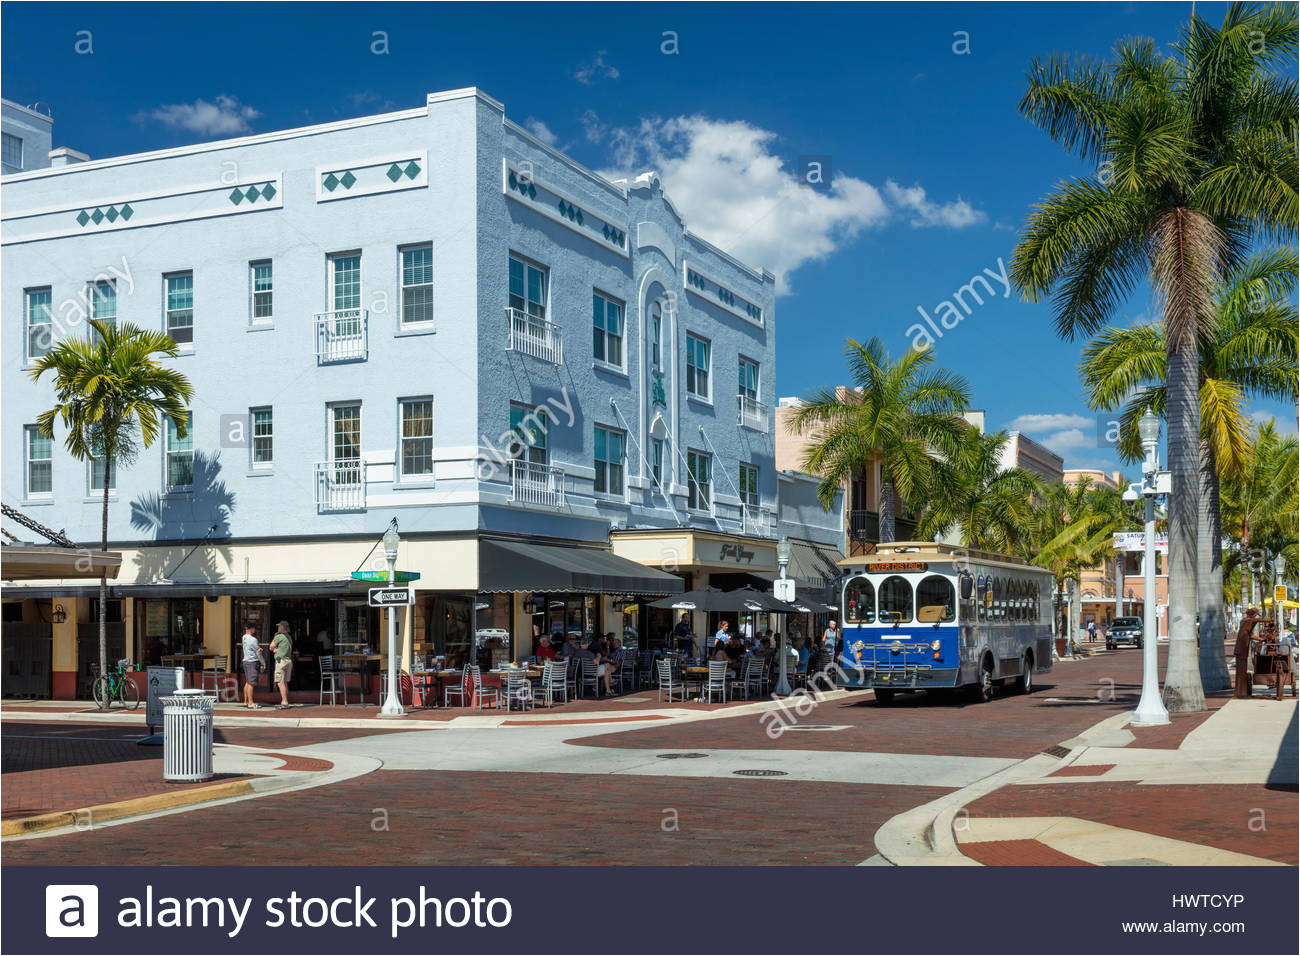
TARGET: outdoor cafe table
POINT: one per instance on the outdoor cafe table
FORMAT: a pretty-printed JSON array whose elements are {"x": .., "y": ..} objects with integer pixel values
[
  {"x": 431, "y": 683},
  {"x": 361, "y": 663}
]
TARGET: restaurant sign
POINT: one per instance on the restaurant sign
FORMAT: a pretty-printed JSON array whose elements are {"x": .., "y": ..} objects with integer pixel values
[{"x": 746, "y": 555}]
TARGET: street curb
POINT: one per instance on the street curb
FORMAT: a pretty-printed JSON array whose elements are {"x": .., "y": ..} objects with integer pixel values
[
  {"x": 26, "y": 826},
  {"x": 926, "y": 835}
]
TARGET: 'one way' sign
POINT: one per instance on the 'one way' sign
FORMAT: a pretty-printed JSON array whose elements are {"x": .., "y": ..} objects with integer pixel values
[{"x": 391, "y": 597}]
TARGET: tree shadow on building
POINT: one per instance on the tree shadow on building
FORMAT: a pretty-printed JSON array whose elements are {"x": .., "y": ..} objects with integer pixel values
[{"x": 184, "y": 519}]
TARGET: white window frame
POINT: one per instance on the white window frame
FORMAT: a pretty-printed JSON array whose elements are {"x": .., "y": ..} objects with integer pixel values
[
  {"x": 8, "y": 139},
  {"x": 402, "y": 438},
  {"x": 333, "y": 420},
  {"x": 743, "y": 361},
  {"x": 253, "y": 463},
  {"x": 27, "y": 321},
  {"x": 657, "y": 461},
  {"x": 748, "y": 496},
  {"x": 693, "y": 371},
  {"x": 525, "y": 303},
  {"x": 93, "y": 301},
  {"x": 656, "y": 335},
  {"x": 403, "y": 286},
  {"x": 28, "y": 461},
  {"x": 254, "y": 292},
  {"x": 529, "y": 448},
  {"x": 332, "y": 261},
  {"x": 169, "y": 452},
  {"x": 695, "y": 489},
  {"x": 604, "y": 302},
  {"x": 167, "y": 305},
  {"x": 603, "y": 466}
]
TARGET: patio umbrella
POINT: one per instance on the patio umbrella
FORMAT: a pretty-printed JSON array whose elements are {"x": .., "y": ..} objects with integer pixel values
[{"x": 705, "y": 599}]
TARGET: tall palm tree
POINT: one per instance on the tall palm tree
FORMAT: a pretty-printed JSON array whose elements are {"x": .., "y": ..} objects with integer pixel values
[
  {"x": 1260, "y": 504},
  {"x": 989, "y": 506},
  {"x": 107, "y": 386},
  {"x": 1249, "y": 348},
  {"x": 1198, "y": 159},
  {"x": 899, "y": 410}
]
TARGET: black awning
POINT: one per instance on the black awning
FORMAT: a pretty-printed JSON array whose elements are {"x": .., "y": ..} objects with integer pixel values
[
  {"x": 505, "y": 566},
  {"x": 188, "y": 589}
]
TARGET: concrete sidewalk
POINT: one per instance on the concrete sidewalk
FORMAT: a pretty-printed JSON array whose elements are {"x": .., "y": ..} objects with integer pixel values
[{"x": 1214, "y": 789}]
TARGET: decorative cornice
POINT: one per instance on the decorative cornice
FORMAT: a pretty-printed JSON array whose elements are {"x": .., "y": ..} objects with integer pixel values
[
  {"x": 559, "y": 207},
  {"x": 370, "y": 175},
  {"x": 710, "y": 289}
]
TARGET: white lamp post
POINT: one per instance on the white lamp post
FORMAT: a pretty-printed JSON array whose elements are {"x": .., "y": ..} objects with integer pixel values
[
  {"x": 1150, "y": 708},
  {"x": 782, "y": 688},
  {"x": 393, "y": 703}
]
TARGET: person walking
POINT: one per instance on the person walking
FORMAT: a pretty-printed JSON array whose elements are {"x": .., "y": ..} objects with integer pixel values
[
  {"x": 683, "y": 638},
  {"x": 252, "y": 663},
  {"x": 723, "y": 635},
  {"x": 831, "y": 637},
  {"x": 282, "y": 648}
]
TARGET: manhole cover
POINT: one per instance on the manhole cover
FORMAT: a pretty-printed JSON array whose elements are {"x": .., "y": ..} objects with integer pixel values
[
  {"x": 1057, "y": 751},
  {"x": 678, "y": 756},
  {"x": 760, "y": 773}
]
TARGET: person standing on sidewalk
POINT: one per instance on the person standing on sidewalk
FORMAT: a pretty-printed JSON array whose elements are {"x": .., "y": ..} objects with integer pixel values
[
  {"x": 252, "y": 663},
  {"x": 282, "y": 648}
]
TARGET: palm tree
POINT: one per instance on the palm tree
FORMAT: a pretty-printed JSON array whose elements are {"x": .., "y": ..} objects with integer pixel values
[
  {"x": 1260, "y": 504},
  {"x": 900, "y": 410},
  {"x": 1249, "y": 348},
  {"x": 107, "y": 385},
  {"x": 1198, "y": 159},
  {"x": 974, "y": 496}
]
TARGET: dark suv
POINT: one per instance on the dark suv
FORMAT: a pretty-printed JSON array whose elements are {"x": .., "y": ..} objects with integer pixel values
[{"x": 1124, "y": 630}]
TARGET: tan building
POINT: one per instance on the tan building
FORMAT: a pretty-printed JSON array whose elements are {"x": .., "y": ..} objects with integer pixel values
[{"x": 1021, "y": 451}]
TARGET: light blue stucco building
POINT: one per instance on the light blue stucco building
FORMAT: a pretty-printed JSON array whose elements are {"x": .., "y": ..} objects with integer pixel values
[{"x": 561, "y": 394}]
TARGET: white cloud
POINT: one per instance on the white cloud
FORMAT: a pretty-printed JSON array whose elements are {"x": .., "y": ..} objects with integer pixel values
[
  {"x": 540, "y": 130},
  {"x": 225, "y": 117},
  {"x": 595, "y": 69},
  {"x": 955, "y": 215},
  {"x": 1286, "y": 425},
  {"x": 1068, "y": 440},
  {"x": 592, "y": 127},
  {"x": 1037, "y": 424}
]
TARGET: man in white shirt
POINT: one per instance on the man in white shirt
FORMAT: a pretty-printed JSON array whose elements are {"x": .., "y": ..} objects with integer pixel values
[{"x": 251, "y": 662}]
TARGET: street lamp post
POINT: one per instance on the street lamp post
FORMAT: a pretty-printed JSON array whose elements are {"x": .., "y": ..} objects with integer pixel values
[
  {"x": 1150, "y": 708},
  {"x": 392, "y": 703},
  {"x": 1279, "y": 567},
  {"x": 782, "y": 688}
]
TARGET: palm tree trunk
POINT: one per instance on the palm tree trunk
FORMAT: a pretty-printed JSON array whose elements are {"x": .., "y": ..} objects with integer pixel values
[
  {"x": 103, "y": 575},
  {"x": 1076, "y": 612},
  {"x": 1247, "y": 598},
  {"x": 1209, "y": 571},
  {"x": 1183, "y": 692},
  {"x": 887, "y": 530}
]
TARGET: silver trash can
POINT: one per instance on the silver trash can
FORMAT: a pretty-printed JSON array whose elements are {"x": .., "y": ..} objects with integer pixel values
[{"x": 187, "y": 736}]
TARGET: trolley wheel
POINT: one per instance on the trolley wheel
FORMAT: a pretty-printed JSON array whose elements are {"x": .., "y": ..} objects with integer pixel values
[
  {"x": 99, "y": 691},
  {"x": 884, "y": 695},
  {"x": 129, "y": 694},
  {"x": 1025, "y": 682},
  {"x": 982, "y": 691}
]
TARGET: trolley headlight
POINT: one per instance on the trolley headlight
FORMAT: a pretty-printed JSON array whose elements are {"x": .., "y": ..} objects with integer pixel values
[{"x": 935, "y": 645}]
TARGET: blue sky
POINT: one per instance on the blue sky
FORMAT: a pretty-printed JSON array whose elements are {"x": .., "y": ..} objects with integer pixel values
[{"x": 934, "y": 168}]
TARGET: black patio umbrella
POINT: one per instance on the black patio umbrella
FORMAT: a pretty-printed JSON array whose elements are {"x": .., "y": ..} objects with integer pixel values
[{"x": 709, "y": 599}]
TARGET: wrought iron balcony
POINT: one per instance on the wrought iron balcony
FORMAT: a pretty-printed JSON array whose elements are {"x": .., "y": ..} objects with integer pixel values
[
  {"x": 751, "y": 413},
  {"x": 341, "y": 485},
  {"x": 534, "y": 336},
  {"x": 341, "y": 336},
  {"x": 534, "y": 484}
]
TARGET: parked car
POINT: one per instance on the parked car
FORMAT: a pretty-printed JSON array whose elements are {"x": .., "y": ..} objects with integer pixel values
[{"x": 1124, "y": 630}]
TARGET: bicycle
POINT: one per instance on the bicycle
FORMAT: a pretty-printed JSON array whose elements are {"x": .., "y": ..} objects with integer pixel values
[{"x": 116, "y": 686}]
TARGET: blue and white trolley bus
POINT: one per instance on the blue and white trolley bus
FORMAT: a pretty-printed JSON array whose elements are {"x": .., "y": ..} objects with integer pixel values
[{"x": 921, "y": 615}]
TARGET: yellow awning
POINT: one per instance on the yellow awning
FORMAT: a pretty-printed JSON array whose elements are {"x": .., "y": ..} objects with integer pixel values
[{"x": 1287, "y": 605}]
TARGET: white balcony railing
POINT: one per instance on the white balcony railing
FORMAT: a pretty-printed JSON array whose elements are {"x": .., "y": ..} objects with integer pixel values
[
  {"x": 341, "y": 336},
  {"x": 752, "y": 413},
  {"x": 533, "y": 484},
  {"x": 534, "y": 336},
  {"x": 341, "y": 485},
  {"x": 755, "y": 523}
]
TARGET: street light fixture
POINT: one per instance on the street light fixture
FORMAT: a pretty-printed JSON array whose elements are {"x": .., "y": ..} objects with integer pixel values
[
  {"x": 392, "y": 703},
  {"x": 782, "y": 688},
  {"x": 1150, "y": 709}
]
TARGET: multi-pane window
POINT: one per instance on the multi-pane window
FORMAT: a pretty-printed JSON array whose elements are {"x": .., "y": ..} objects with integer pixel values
[
  {"x": 40, "y": 465},
  {"x": 40, "y": 324},
  {"x": 657, "y": 459},
  {"x": 417, "y": 284},
  {"x": 345, "y": 430},
  {"x": 530, "y": 427},
  {"x": 749, "y": 485},
  {"x": 97, "y": 465},
  {"x": 699, "y": 472},
  {"x": 417, "y": 438},
  {"x": 527, "y": 287},
  {"x": 610, "y": 447},
  {"x": 697, "y": 366},
  {"x": 656, "y": 335},
  {"x": 11, "y": 150},
  {"x": 607, "y": 329},
  {"x": 262, "y": 441},
  {"x": 262, "y": 289},
  {"x": 748, "y": 379},
  {"x": 180, "y": 306},
  {"x": 345, "y": 293},
  {"x": 178, "y": 455},
  {"x": 103, "y": 301}
]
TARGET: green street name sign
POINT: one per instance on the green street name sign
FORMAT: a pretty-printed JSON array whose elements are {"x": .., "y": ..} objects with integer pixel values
[{"x": 381, "y": 577}]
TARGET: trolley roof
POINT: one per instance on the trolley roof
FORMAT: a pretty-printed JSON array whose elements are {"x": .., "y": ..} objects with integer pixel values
[{"x": 923, "y": 552}]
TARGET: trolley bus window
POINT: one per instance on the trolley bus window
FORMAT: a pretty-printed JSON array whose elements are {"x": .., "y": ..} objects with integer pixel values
[
  {"x": 895, "y": 600},
  {"x": 982, "y": 597},
  {"x": 859, "y": 602},
  {"x": 936, "y": 600}
]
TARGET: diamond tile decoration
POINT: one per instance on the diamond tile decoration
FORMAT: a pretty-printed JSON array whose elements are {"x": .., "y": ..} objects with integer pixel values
[
  {"x": 330, "y": 182},
  {"x": 236, "y": 197},
  {"x": 252, "y": 194},
  {"x": 532, "y": 191},
  {"x": 348, "y": 180},
  {"x": 394, "y": 172},
  {"x": 128, "y": 212},
  {"x": 83, "y": 218},
  {"x": 98, "y": 216},
  {"x": 268, "y": 191},
  {"x": 111, "y": 214},
  {"x": 412, "y": 169}
]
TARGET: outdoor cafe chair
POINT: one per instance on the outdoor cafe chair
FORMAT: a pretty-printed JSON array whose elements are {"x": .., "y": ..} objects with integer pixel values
[
  {"x": 471, "y": 685},
  {"x": 669, "y": 680},
  {"x": 518, "y": 689},
  {"x": 571, "y": 674},
  {"x": 554, "y": 683},
  {"x": 331, "y": 681},
  {"x": 627, "y": 672},
  {"x": 717, "y": 682},
  {"x": 589, "y": 678},
  {"x": 646, "y": 668},
  {"x": 214, "y": 668}
]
